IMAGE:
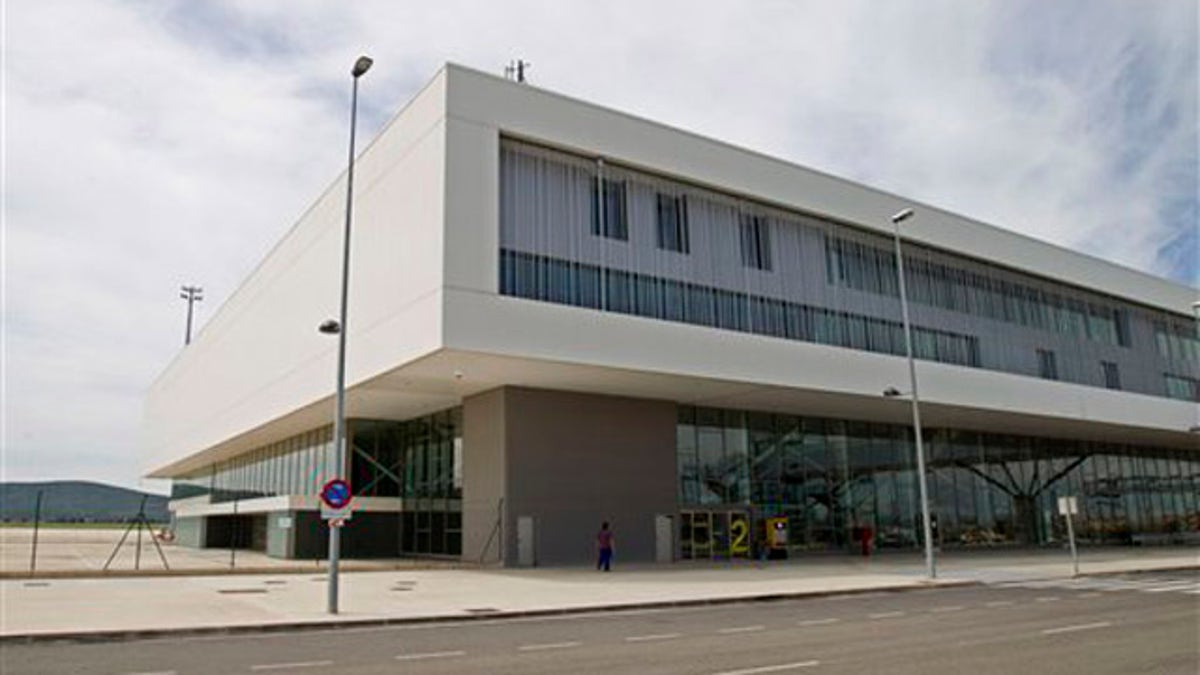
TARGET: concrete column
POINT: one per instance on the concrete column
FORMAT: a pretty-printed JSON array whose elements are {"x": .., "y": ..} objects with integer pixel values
[{"x": 569, "y": 461}]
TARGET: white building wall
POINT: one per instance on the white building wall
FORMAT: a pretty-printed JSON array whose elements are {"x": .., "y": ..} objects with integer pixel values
[
  {"x": 261, "y": 357},
  {"x": 425, "y": 276},
  {"x": 483, "y": 107},
  {"x": 524, "y": 111}
]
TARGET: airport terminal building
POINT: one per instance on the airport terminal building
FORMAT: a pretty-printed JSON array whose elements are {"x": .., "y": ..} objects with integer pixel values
[{"x": 561, "y": 314}]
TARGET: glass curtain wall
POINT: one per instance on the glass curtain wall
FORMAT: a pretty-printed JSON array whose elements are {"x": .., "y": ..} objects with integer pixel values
[
  {"x": 593, "y": 234},
  {"x": 834, "y": 479},
  {"x": 298, "y": 465},
  {"x": 417, "y": 461}
]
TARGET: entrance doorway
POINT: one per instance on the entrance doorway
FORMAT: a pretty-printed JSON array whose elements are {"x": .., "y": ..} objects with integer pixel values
[{"x": 714, "y": 535}]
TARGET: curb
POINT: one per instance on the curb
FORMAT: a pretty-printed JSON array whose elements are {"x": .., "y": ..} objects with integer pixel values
[
  {"x": 155, "y": 633},
  {"x": 1111, "y": 573}
]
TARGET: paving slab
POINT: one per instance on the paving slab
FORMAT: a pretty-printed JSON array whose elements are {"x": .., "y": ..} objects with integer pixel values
[{"x": 128, "y": 607}]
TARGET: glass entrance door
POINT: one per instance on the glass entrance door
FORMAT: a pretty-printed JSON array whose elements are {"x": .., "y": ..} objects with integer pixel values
[{"x": 714, "y": 535}]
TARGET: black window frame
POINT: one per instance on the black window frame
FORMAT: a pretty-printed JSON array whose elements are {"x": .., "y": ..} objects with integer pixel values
[
  {"x": 1047, "y": 364},
  {"x": 755, "y": 237},
  {"x": 615, "y": 223},
  {"x": 672, "y": 223},
  {"x": 1112, "y": 374}
]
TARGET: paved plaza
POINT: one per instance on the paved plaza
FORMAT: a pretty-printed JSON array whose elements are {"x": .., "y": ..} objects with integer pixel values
[{"x": 202, "y": 602}]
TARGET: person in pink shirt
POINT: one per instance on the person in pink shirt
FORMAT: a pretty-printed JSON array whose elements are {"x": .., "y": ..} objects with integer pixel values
[{"x": 604, "y": 545}]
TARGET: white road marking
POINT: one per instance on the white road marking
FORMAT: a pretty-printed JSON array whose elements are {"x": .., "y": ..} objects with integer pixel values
[
  {"x": 1048, "y": 598},
  {"x": 950, "y": 608},
  {"x": 648, "y": 638},
  {"x": 157, "y": 672},
  {"x": 1195, "y": 592},
  {"x": 429, "y": 655},
  {"x": 817, "y": 622},
  {"x": 741, "y": 629},
  {"x": 999, "y": 603},
  {"x": 1072, "y": 629},
  {"x": 548, "y": 645},
  {"x": 1090, "y": 595},
  {"x": 297, "y": 664},
  {"x": 1173, "y": 587},
  {"x": 884, "y": 615},
  {"x": 771, "y": 669}
]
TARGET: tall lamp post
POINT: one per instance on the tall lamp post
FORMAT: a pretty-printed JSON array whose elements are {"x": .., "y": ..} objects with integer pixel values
[
  {"x": 192, "y": 294},
  {"x": 926, "y": 521},
  {"x": 361, "y": 66}
]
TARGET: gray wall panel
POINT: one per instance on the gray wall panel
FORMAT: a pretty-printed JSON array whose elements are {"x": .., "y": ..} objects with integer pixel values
[
  {"x": 483, "y": 475},
  {"x": 575, "y": 460}
]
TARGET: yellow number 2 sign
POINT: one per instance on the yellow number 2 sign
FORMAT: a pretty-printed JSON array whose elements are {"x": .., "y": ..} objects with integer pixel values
[{"x": 739, "y": 530}]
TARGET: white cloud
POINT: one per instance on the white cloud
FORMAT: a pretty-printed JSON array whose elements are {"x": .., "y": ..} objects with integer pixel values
[{"x": 150, "y": 144}]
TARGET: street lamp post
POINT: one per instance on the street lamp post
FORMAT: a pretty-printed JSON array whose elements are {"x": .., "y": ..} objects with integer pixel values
[
  {"x": 192, "y": 294},
  {"x": 926, "y": 521},
  {"x": 361, "y": 66}
]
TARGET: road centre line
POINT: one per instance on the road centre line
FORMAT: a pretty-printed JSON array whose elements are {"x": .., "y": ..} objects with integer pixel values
[
  {"x": 1079, "y": 627},
  {"x": 1048, "y": 598},
  {"x": 296, "y": 664},
  {"x": 649, "y": 638},
  {"x": 818, "y": 622},
  {"x": 771, "y": 669},
  {"x": 157, "y": 672},
  {"x": 884, "y": 615},
  {"x": 548, "y": 645},
  {"x": 999, "y": 603},
  {"x": 741, "y": 629},
  {"x": 1090, "y": 595},
  {"x": 429, "y": 655},
  {"x": 949, "y": 608}
]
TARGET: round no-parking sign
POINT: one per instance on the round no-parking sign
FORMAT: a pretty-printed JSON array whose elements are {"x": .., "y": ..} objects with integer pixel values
[{"x": 336, "y": 494}]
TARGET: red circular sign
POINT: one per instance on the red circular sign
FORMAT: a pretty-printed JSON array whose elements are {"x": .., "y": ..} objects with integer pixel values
[{"x": 336, "y": 493}]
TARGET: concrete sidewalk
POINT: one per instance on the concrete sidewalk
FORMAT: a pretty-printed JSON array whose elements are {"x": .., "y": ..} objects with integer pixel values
[{"x": 131, "y": 607}]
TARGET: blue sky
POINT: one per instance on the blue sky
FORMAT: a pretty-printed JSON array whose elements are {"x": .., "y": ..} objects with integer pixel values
[{"x": 151, "y": 144}]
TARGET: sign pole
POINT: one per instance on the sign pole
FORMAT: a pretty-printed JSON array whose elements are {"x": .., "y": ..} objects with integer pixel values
[
  {"x": 1074, "y": 551},
  {"x": 1069, "y": 506}
]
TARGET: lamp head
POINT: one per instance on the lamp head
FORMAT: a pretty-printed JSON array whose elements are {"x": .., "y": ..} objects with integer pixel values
[
  {"x": 361, "y": 66},
  {"x": 902, "y": 216},
  {"x": 330, "y": 327},
  {"x": 891, "y": 392}
]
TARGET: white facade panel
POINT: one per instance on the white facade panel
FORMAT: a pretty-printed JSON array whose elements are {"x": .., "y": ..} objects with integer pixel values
[
  {"x": 513, "y": 327},
  {"x": 424, "y": 297},
  {"x": 551, "y": 118},
  {"x": 261, "y": 358}
]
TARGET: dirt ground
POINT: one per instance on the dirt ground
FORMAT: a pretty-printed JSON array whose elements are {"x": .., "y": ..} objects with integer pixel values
[{"x": 84, "y": 551}]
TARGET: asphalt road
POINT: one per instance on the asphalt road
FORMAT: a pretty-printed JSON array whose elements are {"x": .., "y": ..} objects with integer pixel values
[{"x": 1132, "y": 624}]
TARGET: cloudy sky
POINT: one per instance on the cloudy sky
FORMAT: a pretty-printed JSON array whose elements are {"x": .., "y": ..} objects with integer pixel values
[{"x": 149, "y": 144}]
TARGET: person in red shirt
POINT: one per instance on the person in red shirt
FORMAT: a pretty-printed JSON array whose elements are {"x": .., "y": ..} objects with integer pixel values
[{"x": 604, "y": 545}]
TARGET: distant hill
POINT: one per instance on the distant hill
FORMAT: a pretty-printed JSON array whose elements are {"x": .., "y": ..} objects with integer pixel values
[{"x": 77, "y": 501}]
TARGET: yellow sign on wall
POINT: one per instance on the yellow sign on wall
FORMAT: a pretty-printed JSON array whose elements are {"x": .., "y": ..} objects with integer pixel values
[{"x": 739, "y": 535}]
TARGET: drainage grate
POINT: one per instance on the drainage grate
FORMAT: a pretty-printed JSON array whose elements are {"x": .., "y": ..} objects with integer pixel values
[
  {"x": 274, "y": 582},
  {"x": 36, "y": 584},
  {"x": 482, "y": 610},
  {"x": 240, "y": 591}
]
